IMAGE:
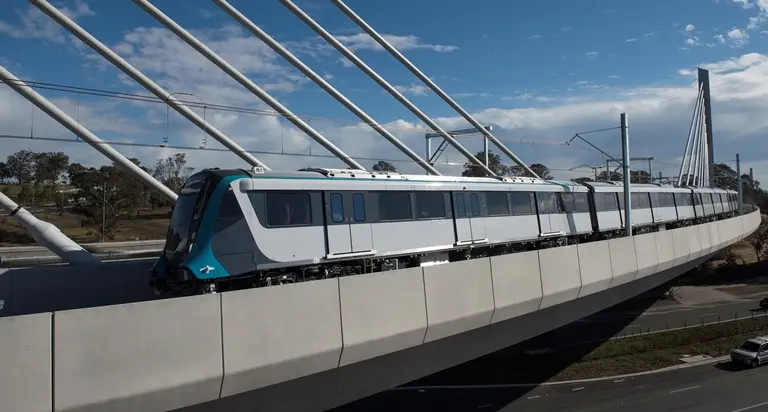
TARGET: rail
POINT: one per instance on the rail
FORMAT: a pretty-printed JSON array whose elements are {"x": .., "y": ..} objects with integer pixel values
[{"x": 31, "y": 252}]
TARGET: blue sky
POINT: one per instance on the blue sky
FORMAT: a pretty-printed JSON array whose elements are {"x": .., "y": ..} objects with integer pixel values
[{"x": 535, "y": 70}]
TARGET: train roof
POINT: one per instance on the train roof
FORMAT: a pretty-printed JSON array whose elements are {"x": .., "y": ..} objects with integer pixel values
[
  {"x": 318, "y": 173},
  {"x": 619, "y": 186}
]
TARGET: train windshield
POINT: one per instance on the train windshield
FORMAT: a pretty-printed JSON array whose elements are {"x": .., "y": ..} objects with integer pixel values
[{"x": 185, "y": 214}]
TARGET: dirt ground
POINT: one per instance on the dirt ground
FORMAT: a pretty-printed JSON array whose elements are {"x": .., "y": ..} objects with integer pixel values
[{"x": 148, "y": 225}]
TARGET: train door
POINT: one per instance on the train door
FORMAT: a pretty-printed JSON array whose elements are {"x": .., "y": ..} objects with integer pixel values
[
  {"x": 544, "y": 206},
  {"x": 348, "y": 230},
  {"x": 468, "y": 225}
]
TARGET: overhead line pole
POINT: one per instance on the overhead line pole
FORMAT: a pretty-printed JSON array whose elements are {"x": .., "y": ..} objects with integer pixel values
[
  {"x": 75, "y": 127},
  {"x": 287, "y": 55},
  {"x": 145, "y": 81},
  {"x": 235, "y": 74},
  {"x": 399, "y": 56},
  {"x": 383, "y": 83}
]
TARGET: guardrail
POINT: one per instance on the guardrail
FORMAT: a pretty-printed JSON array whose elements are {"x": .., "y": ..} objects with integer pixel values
[
  {"x": 20, "y": 262},
  {"x": 8, "y": 254}
]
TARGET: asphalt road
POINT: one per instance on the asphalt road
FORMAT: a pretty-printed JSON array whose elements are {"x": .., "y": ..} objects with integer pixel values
[
  {"x": 720, "y": 387},
  {"x": 603, "y": 326}
]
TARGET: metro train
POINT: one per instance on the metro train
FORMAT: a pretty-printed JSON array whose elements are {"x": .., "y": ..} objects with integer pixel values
[{"x": 234, "y": 229}]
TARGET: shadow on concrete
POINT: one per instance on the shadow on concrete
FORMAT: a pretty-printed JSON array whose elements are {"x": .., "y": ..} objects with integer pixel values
[
  {"x": 49, "y": 288},
  {"x": 528, "y": 364}
]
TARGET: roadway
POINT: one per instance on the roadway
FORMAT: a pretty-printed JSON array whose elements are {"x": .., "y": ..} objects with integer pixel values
[
  {"x": 719, "y": 387},
  {"x": 606, "y": 324}
]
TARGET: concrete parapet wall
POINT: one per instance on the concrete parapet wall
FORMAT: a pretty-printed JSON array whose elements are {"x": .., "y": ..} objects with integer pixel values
[
  {"x": 560, "y": 275},
  {"x": 665, "y": 249},
  {"x": 516, "y": 285},
  {"x": 646, "y": 254},
  {"x": 623, "y": 260},
  {"x": 173, "y": 353},
  {"x": 596, "y": 274}
]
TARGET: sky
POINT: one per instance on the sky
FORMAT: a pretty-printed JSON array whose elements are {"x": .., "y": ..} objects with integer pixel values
[{"x": 537, "y": 72}]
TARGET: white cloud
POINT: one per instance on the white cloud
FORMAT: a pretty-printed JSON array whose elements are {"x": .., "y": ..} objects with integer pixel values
[
  {"x": 659, "y": 114},
  {"x": 413, "y": 89},
  {"x": 630, "y": 40},
  {"x": 690, "y": 28},
  {"x": 567, "y": 28},
  {"x": 745, "y": 4},
  {"x": 535, "y": 37},
  {"x": 592, "y": 54},
  {"x": 738, "y": 37},
  {"x": 36, "y": 25},
  {"x": 362, "y": 41}
]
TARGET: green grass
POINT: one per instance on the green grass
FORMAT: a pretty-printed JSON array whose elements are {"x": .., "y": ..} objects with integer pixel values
[{"x": 631, "y": 355}]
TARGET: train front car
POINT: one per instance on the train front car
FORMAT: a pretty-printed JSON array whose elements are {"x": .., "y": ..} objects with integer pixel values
[{"x": 188, "y": 264}]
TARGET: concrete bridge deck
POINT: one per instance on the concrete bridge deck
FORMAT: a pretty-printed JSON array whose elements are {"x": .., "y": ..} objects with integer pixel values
[{"x": 314, "y": 345}]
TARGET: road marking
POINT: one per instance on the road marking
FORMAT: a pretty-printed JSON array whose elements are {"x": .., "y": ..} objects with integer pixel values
[
  {"x": 619, "y": 380},
  {"x": 577, "y": 389},
  {"x": 709, "y": 314},
  {"x": 534, "y": 397},
  {"x": 685, "y": 389},
  {"x": 750, "y": 407}
]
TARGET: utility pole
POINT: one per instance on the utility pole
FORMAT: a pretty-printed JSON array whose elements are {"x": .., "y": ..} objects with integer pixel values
[
  {"x": 103, "y": 209},
  {"x": 625, "y": 163},
  {"x": 738, "y": 182}
]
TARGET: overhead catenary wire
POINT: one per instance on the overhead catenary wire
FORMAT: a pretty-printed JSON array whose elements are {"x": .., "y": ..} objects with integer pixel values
[
  {"x": 210, "y": 149},
  {"x": 234, "y": 109}
]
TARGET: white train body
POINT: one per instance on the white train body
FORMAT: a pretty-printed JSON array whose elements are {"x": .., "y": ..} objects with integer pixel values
[{"x": 275, "y": 227}]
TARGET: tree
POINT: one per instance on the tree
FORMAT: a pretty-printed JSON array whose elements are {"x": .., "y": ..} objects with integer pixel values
[
  {"x": 173, "y": 170},
  {"x": 21, "y": 165},
  {"x": 582, "y": 179},
  {"x": 494, "y": 163},
  {"x": 49, "y": 166},
  {"x": 5, "y": 173},
  {"x": 541, "y": 170},
  {"x": 614, "y": 177},
  {"x": 383, "y": 166},
  {"x": 73, "y": 170},
  {"x": 639, "y": 176}
]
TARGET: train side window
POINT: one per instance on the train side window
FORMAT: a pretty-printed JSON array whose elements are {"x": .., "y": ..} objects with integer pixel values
[
  {"x": 229, "y": 206},
  {"x": 337, "y": 208},
  {"x": 569, "y": 203},
  {"x": 600, "y": 202},
  {"x": 461, "y": 206},
  {"x": 635, "y": 201},
  {"x": 497, "y": 203},
  {"x": 645, "y": 201},
  {"x": 522, "y": 203},
  {"x": 542, "y": 199},
  {"x": 474, "y": 204},
  {"x": 288, "y": 209},
  {"x": 655, "y": 201},
  {"x": 582, "y": 204},
  {"x": 430, "y": 205},
  {"x": 394, "y": 206},
  {"x": 358, "y": 206}
]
